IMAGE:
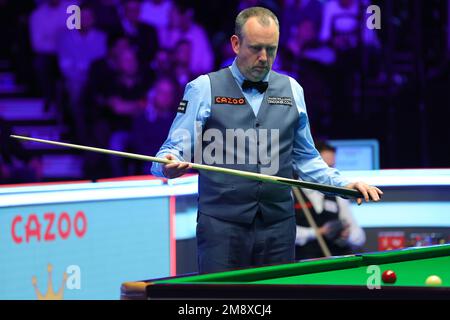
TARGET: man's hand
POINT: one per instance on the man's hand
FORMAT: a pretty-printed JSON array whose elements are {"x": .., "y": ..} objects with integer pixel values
[
  {"x": 332, "y": 229},
  {"x": 176, "y": 169},
  {"x": 324, "y": 230},
  {"x": 369, "y": 192}
]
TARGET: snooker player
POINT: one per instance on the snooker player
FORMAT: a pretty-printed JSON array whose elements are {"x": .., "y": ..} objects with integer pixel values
[{"x": 241, "y": 222}]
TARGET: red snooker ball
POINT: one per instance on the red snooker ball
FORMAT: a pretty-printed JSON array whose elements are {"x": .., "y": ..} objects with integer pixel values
[{"x": 389, "y": 276}]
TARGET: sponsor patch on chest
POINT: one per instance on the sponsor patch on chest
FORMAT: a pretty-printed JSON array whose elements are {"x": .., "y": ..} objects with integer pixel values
[
  {"x": 229, "y": 100},
  {"x": 287, "y": 101}
]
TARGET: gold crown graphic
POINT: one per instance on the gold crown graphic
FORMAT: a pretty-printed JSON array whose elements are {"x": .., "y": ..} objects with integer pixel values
[{"x": 51, "y": 294}]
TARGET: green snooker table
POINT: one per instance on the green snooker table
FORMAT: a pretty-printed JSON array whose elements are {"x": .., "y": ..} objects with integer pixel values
[{"x": 343, "y": 277}]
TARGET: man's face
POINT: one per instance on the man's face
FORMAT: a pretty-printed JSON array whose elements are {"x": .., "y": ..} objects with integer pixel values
[
  {"x": 329, "y": 157},
  {"x": 257, "y": 49}
]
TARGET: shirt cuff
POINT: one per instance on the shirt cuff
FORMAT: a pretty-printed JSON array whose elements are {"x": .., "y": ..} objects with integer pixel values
[{"x": 304, "y": 235}]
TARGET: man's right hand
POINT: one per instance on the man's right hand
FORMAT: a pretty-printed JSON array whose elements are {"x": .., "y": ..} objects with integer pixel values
[{"x": 176, "y": 169}]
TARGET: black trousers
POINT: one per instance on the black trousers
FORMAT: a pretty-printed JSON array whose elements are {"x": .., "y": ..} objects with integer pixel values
[{"x": 224, "y": 245}]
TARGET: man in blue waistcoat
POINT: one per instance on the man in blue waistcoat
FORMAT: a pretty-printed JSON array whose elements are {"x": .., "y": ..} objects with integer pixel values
[{"x": 250, "y": 118}]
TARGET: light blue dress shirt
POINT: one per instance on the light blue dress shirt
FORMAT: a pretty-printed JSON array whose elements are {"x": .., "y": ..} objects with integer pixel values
[{"x": 307, "y": 161}]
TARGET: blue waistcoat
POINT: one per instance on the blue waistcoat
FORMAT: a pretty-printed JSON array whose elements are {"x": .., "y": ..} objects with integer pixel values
[{"x": 238, "y": 199}]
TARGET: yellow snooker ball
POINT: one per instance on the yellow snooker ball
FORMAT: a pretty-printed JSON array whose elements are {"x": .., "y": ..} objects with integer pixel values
[{"x": 433, "y": 281}]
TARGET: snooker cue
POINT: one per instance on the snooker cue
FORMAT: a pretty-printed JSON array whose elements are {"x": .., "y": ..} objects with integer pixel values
[
  {"x": 323, "y": 246},
  {"x": 342, "y": 191}
]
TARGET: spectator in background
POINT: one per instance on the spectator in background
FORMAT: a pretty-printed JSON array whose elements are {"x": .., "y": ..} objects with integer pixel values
[
  {"x": 151, "y": 125},
  {"x": 303, "y": 39},
  {"x": 163, "y": 64},
  {"x": 343, "y": 25},
  {"x": 156, "y": 13},
  {"x": 183, "y": 27},
  {"x": 344, "y": 31},
  {"x": 182, "y": 55},
  {"x": 101, "y": 75},
  {"x": 105, "y": 68},
  {"x": 295, "y": 12},
  {"x": 142, "y": 36},
  {"x": 126, "y": 97},
  {"x": 47, "y": 22},
  {"x": 308, "y": 60},
  {"x": 333, "y": 217},
  {"x": 107, "y": 16},
  {"x": 77, "y": 49}
]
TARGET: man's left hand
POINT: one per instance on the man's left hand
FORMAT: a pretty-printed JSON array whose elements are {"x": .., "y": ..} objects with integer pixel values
[{"x": 369, "y": 192}]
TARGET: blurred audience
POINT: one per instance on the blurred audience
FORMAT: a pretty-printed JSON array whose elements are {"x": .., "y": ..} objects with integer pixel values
[
  {"x": 47, "y": 22},
  {"x": 162, "y": 64},
  {"x": 151, "y": 125},
  {"x": 142, "y": 36},
  {"x": 344, "y": 25},
  {"x": 181, "y": 59},
  {"x": 106, "y": 15},
  {"x": 126, "y": 96},
  {"x": 108, "y": 66},
  {"x": 302, "y": 42},
  {"x": 183, "y": 27},
  {"x": 101, "y": 73},
  {"x": 308, "y": 61},
  {"x": 103, "y": 69},
  {"x": 156, "y": 13},
  {"x": 77, "y": 49},
  {"x": 344, "y": 32},
  {"x": 295, "y": 12}
]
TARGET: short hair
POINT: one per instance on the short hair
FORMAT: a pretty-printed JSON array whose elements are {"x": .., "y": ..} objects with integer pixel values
[
  {"x": 324, "y": 146},
  {"x": 261, "y": 13}
]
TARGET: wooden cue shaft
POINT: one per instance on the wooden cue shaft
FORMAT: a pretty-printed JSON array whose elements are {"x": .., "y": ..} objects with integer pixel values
[
  {"x": 347, "y": 192},
  {"x": 312, "y": 223}
]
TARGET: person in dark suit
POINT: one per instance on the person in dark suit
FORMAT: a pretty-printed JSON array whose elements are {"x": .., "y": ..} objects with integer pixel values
[{"x": 333, "y": 217}]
